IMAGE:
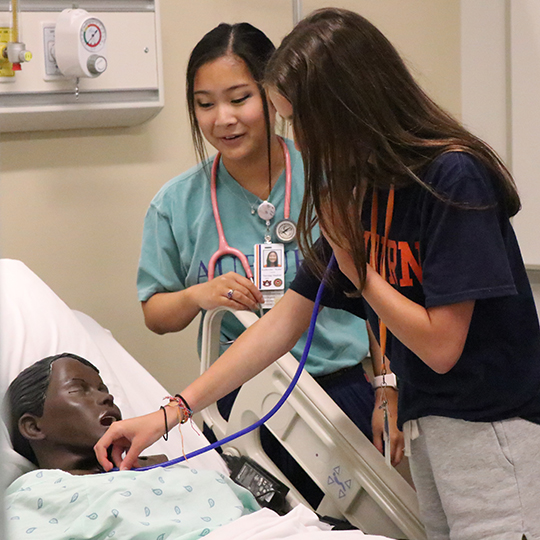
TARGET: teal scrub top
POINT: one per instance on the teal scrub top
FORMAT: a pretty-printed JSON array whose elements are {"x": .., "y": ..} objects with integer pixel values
[{"x": 180, "y": 236}]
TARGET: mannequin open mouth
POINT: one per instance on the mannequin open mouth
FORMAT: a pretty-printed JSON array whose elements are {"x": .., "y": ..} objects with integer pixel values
[{"x": 107, "y": 420}]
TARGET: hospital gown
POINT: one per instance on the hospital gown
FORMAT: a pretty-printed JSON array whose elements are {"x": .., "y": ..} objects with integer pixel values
[{"x": 160, "y": 504}]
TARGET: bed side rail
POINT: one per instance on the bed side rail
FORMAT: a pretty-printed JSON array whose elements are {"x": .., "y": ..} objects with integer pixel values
[{"x": 354, "y": 476}]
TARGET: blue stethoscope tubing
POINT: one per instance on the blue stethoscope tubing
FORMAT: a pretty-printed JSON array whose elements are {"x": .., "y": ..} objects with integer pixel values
[{"x": 283, "y": 398}]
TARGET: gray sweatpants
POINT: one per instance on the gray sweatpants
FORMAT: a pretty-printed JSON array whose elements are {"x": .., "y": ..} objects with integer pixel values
[{"x": 478, "y": 480}]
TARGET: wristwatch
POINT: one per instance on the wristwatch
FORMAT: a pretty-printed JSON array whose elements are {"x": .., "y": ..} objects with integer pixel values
[{"x": 389, "y": 380}]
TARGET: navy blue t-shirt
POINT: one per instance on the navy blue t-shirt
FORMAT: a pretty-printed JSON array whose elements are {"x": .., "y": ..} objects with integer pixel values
[{"x": 439, "y": 254}]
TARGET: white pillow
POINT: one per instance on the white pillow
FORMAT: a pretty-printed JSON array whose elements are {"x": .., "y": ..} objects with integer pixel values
[{"x": 36, "y": 323}]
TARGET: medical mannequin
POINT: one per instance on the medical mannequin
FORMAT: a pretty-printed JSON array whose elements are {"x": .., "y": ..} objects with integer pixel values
[
  {"x": 228, "y": 108},
  {"x": 60, "y": 407},
  {"x": 37, "y": 399}
]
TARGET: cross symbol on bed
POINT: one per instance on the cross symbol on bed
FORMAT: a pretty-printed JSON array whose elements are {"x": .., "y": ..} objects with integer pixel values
[{"x": 344, "y": 486}]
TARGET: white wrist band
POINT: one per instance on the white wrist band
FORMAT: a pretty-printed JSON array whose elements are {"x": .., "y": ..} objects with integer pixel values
[{"x": 389, "y": 380}]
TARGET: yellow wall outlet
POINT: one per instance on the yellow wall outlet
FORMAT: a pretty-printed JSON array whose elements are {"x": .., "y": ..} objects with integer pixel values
[{"x": 6, "y": 67}]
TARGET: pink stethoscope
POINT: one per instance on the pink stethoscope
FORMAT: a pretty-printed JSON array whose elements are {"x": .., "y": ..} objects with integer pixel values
[{"x": 224, "y": 248}]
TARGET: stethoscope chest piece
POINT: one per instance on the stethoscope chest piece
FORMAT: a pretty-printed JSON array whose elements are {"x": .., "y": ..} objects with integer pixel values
[{"x": 285, "y": 231}]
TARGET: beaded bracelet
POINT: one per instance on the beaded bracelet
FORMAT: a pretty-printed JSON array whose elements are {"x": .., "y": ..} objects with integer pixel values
[
  {"x": 190, "y": 411},
  {"x": 181, "y": 404}
]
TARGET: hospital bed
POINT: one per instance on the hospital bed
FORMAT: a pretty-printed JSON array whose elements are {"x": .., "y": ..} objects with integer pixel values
[{"x": 357, "y": 483}]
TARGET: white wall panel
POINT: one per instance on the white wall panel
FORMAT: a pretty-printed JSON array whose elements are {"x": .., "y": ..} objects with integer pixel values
[
  {"x": 525, "y": 90},
  {"x": 501, "y": 97}
]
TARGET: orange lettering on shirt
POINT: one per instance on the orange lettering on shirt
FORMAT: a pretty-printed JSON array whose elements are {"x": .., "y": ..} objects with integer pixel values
[
  {"x": 367, "y": 236},
  {"x": 408, "y": 262},
  {"x": 368, "y": 240},
  {"x": 391, "y": 261}
]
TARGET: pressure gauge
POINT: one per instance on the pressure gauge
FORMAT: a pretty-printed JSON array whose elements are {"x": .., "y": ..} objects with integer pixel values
[
  {"x": 80, "y": 44},
  {"x": 93, "y": 34}
]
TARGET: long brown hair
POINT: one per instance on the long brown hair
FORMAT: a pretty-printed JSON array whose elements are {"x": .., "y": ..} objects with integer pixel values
[{"x": 362, "y": 122}]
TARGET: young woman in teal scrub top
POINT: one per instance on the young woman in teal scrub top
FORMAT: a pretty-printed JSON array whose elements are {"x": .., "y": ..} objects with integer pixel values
[{"x": 228, "y": 108}]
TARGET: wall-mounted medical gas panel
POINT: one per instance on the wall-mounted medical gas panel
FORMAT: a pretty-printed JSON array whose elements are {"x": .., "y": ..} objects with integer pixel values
[{"x": 96, "y": 63}]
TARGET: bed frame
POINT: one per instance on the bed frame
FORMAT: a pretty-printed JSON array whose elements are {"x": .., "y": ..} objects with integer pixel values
[{"x": 358, "y": 484}]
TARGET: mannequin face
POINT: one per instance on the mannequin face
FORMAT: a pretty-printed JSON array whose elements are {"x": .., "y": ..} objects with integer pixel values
[{"x": 78, "y": 406}]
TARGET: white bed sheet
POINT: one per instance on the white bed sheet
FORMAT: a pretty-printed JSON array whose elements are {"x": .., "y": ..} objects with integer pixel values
[{"x": 299, "y": 524}]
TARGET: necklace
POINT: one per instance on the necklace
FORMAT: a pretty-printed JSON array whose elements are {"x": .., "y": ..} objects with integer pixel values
[
  {"x": 252, "y": 205},
  {"x": 285, "y": 229},
  {"x": 264, "y": 209}
]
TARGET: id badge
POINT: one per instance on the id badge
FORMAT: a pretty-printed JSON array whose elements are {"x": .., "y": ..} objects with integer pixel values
[{"x": 270, "y": 272}]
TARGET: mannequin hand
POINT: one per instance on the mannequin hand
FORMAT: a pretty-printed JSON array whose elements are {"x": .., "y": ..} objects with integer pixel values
[
  {"x": 133, "y": 435},
  {"x": 213, "y": 293},
  {"x": 397, "y": 444}
]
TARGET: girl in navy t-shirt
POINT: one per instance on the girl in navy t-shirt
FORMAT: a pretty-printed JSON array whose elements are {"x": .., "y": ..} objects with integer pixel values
[{"x": 417, "y": 211}]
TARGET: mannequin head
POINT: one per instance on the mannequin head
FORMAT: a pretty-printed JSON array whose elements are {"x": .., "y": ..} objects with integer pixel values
[{"x": 59, "y": 408}]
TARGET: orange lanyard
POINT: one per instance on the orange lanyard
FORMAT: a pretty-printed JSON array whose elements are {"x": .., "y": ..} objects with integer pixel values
[{"x": 378, "y": 262}]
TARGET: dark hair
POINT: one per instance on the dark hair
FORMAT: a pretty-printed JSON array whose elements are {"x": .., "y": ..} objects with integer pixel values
[
  {"x": 244, "y": 41},
  {"x": 362, "y": 122},
  {"x": 26, "y": 395}
]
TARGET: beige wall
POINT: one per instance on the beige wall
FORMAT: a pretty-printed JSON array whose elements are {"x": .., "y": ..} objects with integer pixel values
[
  {"x": 72, "y": 203},
  {"x": 425, "y": 32}
]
